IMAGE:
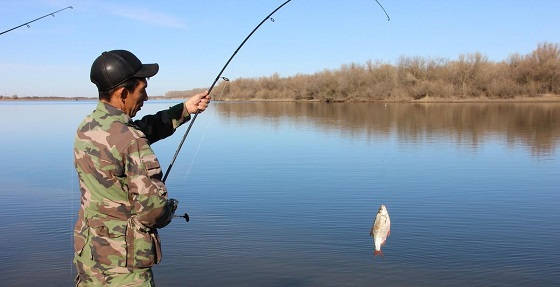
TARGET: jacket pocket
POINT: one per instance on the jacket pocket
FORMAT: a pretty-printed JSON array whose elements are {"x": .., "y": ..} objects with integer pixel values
[
  {"x": 108, "y": 244},
  {"x": 143, "y": 245},
  {"x": 153, "y": 169}
]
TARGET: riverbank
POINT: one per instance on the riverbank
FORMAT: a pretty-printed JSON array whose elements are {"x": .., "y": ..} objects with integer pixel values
[
  {"x": 470, "y": 78},
  {"x": 547, "y": 98}
]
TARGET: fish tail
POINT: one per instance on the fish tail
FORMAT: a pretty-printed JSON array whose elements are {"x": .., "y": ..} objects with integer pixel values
[{"x": 378, "y": 252}]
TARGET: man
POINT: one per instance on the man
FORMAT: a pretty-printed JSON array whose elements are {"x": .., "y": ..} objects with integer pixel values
[{"x": 123, "y": 200}]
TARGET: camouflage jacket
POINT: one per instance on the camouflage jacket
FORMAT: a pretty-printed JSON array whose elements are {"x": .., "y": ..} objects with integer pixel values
[{"x": 123, "y": 199}]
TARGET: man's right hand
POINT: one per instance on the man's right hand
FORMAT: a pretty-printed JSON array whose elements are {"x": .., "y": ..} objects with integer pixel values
[{"x": 197, "y": 103}]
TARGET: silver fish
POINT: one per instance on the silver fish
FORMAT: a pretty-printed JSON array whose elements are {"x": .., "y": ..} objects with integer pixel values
[{"x": 380, "y": 229}]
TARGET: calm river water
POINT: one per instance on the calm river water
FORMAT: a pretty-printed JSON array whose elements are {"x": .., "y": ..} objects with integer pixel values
[{"x": 284, "y": 194}]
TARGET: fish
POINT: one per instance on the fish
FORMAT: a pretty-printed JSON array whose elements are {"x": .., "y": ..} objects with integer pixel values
[{"x": 380, "y": 229}]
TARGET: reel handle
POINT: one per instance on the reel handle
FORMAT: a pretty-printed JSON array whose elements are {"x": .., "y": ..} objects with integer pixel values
[{"x": 185, "y": 216}]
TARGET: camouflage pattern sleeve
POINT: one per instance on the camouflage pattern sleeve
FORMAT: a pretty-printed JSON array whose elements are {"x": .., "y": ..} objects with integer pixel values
[
  {"x": 163, "y": 123},
  {"x": 146, "y": 191}
]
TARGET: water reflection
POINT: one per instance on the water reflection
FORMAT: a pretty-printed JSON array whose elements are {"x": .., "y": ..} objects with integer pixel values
[
  {"x": 535, "y": 125},
  {"x": 271, "y": 207}
]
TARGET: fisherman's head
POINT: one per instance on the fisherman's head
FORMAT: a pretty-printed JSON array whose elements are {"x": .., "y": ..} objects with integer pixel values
[{"x": 120, "y": 78}]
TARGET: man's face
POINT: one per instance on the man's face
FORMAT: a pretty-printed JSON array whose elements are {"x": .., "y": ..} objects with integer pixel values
[{"x": 135, "y": 99}]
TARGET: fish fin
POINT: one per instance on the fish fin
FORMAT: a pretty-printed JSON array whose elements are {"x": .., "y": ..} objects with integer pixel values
[
  {"x": 378, "y": 252},
  {"x": 388, "y": 232}
]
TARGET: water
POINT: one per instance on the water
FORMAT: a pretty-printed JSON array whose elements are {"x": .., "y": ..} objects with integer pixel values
[{"x": 284, "y": 194}]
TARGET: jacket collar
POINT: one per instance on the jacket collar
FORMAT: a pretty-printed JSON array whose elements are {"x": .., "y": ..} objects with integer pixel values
[{"x": 106, "y": 110}]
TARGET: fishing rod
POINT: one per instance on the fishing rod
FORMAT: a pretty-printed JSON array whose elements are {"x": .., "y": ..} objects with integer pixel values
[
  {"x": 214, "y": 83},
  {"x": 269, "y": 16},
  {"x": 27, "y": 23}
]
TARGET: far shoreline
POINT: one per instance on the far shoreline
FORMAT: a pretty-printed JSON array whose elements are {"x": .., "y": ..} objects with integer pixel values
[
  {"x": 519, "y": 99},
  {"x": 427, "y": 100}
]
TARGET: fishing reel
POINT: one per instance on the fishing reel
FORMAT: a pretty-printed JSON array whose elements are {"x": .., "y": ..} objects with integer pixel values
[
  {"x": 173, "y": 203},
  {"x": 185, "y": 216}
]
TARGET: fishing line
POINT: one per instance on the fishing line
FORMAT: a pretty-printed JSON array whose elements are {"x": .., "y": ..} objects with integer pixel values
[
  {"x": 37, "y": 19},
  {"x": 73, "y": 192},
  {"x": 186, "y": 215},
  {"x": 187, "y": 173},
  {"x": 268, "y": 17},
  {"x": 226, "y": 80}
]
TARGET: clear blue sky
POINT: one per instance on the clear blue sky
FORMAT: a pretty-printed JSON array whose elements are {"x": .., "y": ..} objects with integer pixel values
[{"x": 191, "y": 40}]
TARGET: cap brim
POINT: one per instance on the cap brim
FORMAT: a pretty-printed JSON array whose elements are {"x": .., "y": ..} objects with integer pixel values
[{"x": 147, "y": 71}]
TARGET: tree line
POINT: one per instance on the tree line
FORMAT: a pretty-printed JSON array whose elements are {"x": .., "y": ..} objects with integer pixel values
[{"x": 411, "y": 78}]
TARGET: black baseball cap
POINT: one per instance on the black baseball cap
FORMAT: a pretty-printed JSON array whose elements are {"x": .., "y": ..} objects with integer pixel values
[{"x": 115, "y": 67}]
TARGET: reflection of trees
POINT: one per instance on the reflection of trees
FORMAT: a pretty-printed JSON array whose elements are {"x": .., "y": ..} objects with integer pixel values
[{"x": 536, "y": 125}]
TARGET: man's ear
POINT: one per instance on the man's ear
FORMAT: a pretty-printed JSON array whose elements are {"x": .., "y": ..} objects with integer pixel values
[{"x": 123, "y": 93}]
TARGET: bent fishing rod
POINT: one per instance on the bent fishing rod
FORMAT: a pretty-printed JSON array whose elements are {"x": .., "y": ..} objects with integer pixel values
[
  {"x": 269, "y": 16},
  {"x": 27, "y": 23}
]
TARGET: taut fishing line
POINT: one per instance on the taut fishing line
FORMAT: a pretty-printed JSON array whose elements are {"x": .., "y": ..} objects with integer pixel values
[
  {"x": 268, "y": 17},
  {"x": 187, "y": 173},
  {"x": 203, "y": 138}
]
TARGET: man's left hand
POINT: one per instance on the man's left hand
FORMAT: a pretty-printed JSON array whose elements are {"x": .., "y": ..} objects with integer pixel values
[{"x": 197, "y": 103}]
